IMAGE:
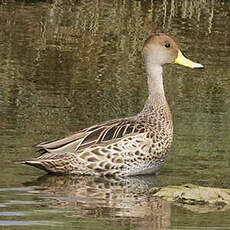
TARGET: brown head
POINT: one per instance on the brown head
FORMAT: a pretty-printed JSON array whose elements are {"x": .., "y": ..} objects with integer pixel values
[{"x": 161, "y": 49}]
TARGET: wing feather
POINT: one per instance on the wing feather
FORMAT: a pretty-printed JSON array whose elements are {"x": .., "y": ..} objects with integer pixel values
[{"x": 110, "y": 131}]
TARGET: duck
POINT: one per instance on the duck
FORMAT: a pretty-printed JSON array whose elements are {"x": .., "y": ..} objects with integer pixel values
[{"x": 122, "y": 147}]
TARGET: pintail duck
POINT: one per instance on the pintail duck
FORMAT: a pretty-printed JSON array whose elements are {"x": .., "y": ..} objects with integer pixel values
[{"x": 123, "y": 147}]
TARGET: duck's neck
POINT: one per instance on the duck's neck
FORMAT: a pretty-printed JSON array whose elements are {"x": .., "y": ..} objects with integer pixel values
[
  {"x": 155, "y": 83},
  {"x": 156, "y": 102}
]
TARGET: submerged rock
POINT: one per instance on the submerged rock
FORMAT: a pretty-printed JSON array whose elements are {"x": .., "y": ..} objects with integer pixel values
[{"x": 195, "y": 198}]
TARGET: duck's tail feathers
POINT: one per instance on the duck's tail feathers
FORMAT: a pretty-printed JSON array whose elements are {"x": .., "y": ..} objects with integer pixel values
[{"x": 35, "y": 163}]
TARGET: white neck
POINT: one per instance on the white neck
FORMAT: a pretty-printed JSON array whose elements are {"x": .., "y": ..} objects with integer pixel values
[{"x": 155, "y": 80}]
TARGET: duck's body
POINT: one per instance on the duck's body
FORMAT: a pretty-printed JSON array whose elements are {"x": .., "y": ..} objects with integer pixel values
[{"x": 123, "y": 147}]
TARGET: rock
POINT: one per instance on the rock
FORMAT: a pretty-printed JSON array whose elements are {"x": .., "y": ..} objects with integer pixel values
[{"x": 195, "y": 198}]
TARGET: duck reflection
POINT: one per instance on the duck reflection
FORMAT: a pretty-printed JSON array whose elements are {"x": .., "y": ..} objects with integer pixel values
[{"x": 106, "y": 197}]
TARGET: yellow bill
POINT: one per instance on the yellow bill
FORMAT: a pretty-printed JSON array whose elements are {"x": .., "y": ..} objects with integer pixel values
[{"x": 182, "y": 60}]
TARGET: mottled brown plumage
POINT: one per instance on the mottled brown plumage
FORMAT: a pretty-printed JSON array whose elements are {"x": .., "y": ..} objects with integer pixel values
[{"x": 124, "y": 147}]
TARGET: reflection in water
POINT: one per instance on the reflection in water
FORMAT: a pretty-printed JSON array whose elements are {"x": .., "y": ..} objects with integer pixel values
[{"x": 106, "y": 197}]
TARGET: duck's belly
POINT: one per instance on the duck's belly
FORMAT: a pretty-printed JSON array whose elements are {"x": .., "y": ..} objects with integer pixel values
[
  {"x": 151, "y": 170},
  {"x": 146, "y": 168}
]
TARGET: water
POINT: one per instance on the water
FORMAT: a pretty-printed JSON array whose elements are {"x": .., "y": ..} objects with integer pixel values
[{"x": 65, "y": 65}]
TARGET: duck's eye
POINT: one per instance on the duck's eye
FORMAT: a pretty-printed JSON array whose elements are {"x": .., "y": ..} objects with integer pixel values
[{"x": 167, "y": 45}]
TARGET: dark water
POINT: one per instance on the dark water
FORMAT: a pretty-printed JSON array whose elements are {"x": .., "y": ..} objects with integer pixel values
[{"x": 65, "y": 65}]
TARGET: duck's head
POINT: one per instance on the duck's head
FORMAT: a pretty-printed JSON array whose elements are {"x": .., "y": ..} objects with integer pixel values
[{"x": 160, "y": 49}]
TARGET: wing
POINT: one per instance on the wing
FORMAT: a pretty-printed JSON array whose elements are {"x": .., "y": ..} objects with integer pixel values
[{"x": 106, "y": 132}]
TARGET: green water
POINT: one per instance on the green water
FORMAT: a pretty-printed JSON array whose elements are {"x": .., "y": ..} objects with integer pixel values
[{"x": 65, "y": 65}]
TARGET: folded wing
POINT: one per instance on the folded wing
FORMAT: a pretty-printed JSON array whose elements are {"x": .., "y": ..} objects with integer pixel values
[{"x": 106, "y": 132}]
